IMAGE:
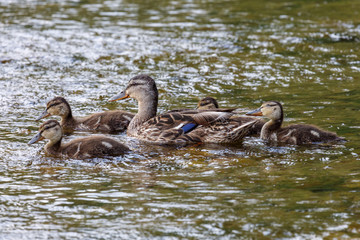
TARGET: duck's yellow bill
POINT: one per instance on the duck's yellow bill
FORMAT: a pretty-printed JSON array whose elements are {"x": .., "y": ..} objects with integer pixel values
[
  {"x": 256, "y": 112},
  {"x": 36, "y": 138},
  {"x": 44, "y": 114},
  {"x": 120, "y": 96}
]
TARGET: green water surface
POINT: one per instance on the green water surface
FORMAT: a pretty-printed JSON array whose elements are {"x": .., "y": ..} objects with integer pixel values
[{"x": 305, "y": 54}]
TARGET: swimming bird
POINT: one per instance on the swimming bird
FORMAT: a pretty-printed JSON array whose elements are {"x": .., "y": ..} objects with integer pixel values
[
  {"x": 181, "y": 126},
  {"x": 207, "y": 103},
  {"x": 80, "y": 148},
  {"x": 293, "y": 134},
  {"x": 108, "y": 121}
]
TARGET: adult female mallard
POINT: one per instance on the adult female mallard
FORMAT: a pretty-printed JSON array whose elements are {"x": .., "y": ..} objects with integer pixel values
[
  {"x": 211, "y": 103},
  {"x": 293, "y": 134},
  {"x": 81, "y": 148},
  {"x": 108, "y": 121},
  {"x": 179, "y": 127}
]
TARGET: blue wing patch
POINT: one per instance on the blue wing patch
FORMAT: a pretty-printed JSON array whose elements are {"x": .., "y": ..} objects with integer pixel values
[{"x": 188, "y": 127}]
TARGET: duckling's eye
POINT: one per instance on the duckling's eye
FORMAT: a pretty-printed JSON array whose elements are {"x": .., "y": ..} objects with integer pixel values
[
  {"x": 47, "y": 127},
  {"x": 270, "y": 105},
  {"x": 52, "y": 105}
]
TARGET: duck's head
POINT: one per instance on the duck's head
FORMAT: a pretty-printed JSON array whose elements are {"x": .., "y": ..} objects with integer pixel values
[
  {"x": 57, "y": 106},
  {"x": 207, "y": 103},
  {"x": 271, "y": 109},
  {"x": 141, "y": 88},
  {"x": 51, "y": 130}
]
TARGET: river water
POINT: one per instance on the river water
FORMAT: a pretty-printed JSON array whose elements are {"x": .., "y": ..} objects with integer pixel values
[{"x": 305, "y": 54}]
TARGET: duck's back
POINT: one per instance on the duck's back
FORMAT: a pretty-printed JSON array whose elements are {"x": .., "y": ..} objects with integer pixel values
[
  {"x": 305, "y": 134},
  {"x": 227, "y": 131},
  {"x": 188, "y": 126},
  {"x": 109, "y": 121},
  {"x": 94, "y": 146},
  {"x": 165, "y": 128},
  {"x": 256, "y": 127}
]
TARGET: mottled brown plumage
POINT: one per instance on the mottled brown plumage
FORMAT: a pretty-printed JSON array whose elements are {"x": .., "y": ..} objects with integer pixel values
[
  {"x": 293, "y": 134},
  {"x": 180, "y": 126},
  {"x": 108, "y": 121},
  {"x": 81, "y": 148},
  {"x": 211, "y": 103}
]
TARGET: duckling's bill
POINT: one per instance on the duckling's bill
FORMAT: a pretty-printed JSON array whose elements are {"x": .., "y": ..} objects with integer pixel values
[
  {"x": 44, "y": 114},
  {"x": 36, "y": 138},
  {"x": 256, "y": 112},
  {"x": 120, "y": 96}
]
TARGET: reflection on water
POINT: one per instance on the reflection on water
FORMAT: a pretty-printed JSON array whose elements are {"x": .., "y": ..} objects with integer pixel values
[{"x": 304, "y": 54}]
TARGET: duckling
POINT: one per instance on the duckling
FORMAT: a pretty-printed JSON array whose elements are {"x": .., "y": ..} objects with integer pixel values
[
  {"x": 207, "y": 103},
  {"x": 108, "y": 121},
  {"x": 295, "y": 134},
  {"x": 179, "y": 127},
  {"x": 211, "y": 103},
  {"x": 204, "y": 104},
  {"x": 81, "y": 148}
]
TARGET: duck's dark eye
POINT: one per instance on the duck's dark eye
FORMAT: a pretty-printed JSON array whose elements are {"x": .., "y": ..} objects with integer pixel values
[
  {"x": 270, "y": 105},
  {"x": 133, "y": 85},
  {"x": 52, "y": 105},
  {"x": 47, "y": 127}
]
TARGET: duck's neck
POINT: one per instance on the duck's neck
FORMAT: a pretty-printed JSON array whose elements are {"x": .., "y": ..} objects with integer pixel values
[
  {"x": 68, "y": 119},
  {"x": 53, "y": 147},
  {"x": 65, "y": 120},
  {"x": 269, "y": 128},
  {"x": 147, "y": 110}
]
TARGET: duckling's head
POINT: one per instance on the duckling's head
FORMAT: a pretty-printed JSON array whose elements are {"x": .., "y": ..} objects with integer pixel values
[
  {"x": 207, "y": 103},
  {"x": 58, "y": 107},
  {"x": 141, "y": 87},
  {"x": 51, "y": 130},
  {"x": 271, "y": 109}
]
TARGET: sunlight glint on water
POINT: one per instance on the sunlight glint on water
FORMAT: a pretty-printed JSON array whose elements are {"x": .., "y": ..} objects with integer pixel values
[{"x": 303, "y": 54}]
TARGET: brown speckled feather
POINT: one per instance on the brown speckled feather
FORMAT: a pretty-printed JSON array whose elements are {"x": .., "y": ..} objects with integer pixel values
[
  {"x": 109, "y": 121},
  {"x": 211, "y": 103},
  {"x": 93, "y": 146},
  {"x": 256, "y": 127},
  {"x": 305, "y": 134},
  {"x": 214, "y": 127}
]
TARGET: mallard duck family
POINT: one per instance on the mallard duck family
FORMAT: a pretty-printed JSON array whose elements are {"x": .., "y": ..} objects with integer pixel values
[{"x": 206, "y": 124}]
